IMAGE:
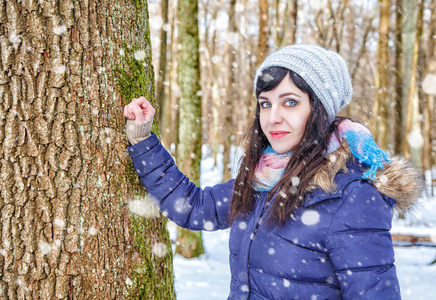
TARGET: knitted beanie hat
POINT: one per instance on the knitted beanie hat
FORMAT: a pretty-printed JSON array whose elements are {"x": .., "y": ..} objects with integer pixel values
[{"x": 324, "y": 71}]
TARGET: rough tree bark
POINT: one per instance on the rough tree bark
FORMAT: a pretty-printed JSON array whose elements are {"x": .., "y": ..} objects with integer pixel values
[
  {"x": 189, "y": 244},
  {"x": 66, "y": 179}
]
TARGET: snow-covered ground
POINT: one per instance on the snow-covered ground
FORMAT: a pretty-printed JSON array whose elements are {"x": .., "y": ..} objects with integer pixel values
[{"x": 208, "y": 277}]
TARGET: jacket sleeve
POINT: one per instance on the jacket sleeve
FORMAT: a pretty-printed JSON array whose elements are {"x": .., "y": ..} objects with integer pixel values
[
  {"x": 360, "y": 245},
  {"x": 179, "y": 199}
]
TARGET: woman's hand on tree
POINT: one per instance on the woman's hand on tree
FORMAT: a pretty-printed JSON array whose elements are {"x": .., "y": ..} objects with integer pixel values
[
  {"x": 139, "y": 114},
  {"x": 139, "y": 110}
]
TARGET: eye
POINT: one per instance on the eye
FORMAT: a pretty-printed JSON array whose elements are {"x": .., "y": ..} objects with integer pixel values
[
  {"x": 265, "y": 104},
  {"x": 290, "y": 102}
]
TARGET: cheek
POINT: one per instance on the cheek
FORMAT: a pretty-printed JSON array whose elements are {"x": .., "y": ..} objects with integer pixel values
[
  {"x": 263, "y": 123},
  {"x": 302, "y": 125}
]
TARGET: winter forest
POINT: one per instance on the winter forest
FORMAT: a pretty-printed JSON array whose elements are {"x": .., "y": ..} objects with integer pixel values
[{"x": 76, "y": 222}]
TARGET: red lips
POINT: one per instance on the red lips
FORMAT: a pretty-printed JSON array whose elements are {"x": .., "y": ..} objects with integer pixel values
[{"x": 278, "y": 134}]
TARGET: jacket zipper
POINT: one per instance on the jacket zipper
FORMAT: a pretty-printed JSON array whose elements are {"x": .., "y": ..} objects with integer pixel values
[{"x": 258, "y": 223}]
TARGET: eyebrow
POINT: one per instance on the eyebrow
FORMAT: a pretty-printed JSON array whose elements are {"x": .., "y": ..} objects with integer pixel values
[{"x": 281, "y": 95}]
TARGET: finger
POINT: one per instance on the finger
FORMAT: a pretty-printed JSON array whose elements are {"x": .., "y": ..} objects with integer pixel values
[
  {"x": 148, "y": 109},
  {"x": 127, "y": 112},
  {"x": 142, "y": 100},
  {"x": 138, "y": 113}
]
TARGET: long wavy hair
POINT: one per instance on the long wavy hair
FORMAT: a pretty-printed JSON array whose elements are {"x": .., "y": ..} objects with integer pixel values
[{"x": 306, "y": 160}]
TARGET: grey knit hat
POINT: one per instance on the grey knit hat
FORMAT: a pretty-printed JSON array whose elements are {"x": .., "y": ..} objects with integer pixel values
[{"x": 324, "y": 71}]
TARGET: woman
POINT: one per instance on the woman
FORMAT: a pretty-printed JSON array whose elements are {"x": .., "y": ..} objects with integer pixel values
[{"x": 311, "y": 207}]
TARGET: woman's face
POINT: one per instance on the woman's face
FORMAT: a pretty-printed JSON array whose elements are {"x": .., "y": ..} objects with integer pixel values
[{"x": 283, "y": 115}]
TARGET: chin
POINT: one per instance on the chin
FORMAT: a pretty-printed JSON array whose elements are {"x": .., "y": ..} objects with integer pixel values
[{"x": 281, "y": 149}]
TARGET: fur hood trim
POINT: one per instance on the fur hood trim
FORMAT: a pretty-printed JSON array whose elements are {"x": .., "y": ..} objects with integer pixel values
[{"x": 399, "y": 179}]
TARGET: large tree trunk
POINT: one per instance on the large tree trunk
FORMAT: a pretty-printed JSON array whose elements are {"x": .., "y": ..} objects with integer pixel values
[
  {"x": 66, "y": 179},
  {"x": 189, "y": 144}
]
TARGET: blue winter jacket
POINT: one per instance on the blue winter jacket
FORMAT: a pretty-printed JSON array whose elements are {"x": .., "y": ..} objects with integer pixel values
[{"x": 335, "y": 246}]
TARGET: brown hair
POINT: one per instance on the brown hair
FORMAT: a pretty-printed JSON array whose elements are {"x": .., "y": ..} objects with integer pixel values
[{"x": 306, "y": 160}]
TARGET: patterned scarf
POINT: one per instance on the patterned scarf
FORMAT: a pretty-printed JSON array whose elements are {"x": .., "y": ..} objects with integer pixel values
[{"x": 363, "y": 147}]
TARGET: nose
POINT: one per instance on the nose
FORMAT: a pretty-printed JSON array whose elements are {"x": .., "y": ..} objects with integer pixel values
[{"x": 275, "y": 116}]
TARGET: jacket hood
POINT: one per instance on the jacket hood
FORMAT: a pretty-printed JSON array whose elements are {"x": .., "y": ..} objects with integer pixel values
[{"x": 398, "y": 179}]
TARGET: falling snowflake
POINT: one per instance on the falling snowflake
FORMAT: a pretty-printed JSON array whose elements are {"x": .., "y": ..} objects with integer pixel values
[
  {"x": 239, "y": 7},
  {"x": 286, "y": 283},
  {"x": 231, "y": 37},
  {"x": 129, "y": 282},
  {"x": 208, "y": 226},
  {"x": 295, "y": 181},
  {"x": 383, "y": 179},
  {"x": 429, "y": 84},
  {"x": 60, "y": 29},
  {"x": 242, "y": 225},
  {"x": 160, "y": 249},
  {"x": 45, "y": 248},
  {"x": 267, "y": 77},
  {"x": 181, "y": 205},
  {"x": 310, "y": 217},
  {"x": 415, "y": 139},
  {"x": 59, "y": 222},
  {"x": 61, "y": 69},
  {"x": 283, "y": 194},
  {"x": 144, "y": 207},
  {"x": 15, "y": 40},
  {"x": 92, "y": 230},
  {"x": 156, "y": 22},
  {"x": 140, "y": 55}
]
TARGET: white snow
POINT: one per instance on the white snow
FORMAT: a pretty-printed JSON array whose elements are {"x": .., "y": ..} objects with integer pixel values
[
  {"x": 310, "y": 217},
  {"x": 156, "y": 22},
  {"x": 429, "y": 84},
  {"x": 59, "y": 29},
  {"x": 45, "y": 248},
  {"x": 139, "y": 55},
  {"x": 208, "y": 277},
  {"x": 143, "y": 207},
  {"x": 160, "y": 249}
]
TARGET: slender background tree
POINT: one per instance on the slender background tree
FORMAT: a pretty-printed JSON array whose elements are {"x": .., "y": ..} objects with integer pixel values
[{"x": 189, "y": 243}]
